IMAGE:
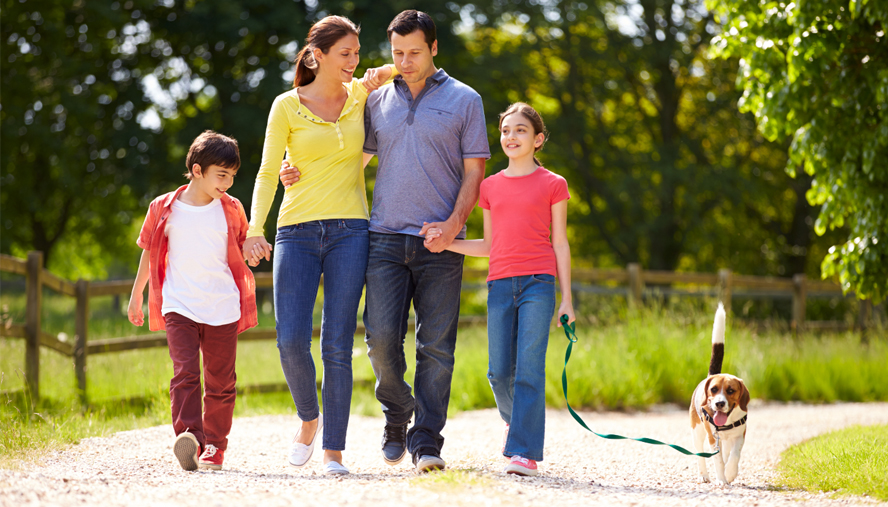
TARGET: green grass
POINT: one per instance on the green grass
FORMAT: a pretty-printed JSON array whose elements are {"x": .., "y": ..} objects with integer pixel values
[
  {"x": 623, "y": 360},
  {"x": 852, "y": 461},
  {"x": 453, "y": 479}
]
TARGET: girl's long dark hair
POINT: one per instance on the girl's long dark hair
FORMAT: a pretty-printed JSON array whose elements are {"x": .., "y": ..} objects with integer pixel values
[
  {"x": 322, "y": 35},
  {"x": 535, "y": 119}
]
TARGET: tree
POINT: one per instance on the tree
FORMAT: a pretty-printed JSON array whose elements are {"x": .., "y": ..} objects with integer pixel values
[
  {"x": 666, "y": 170},
  {"x": 72, "y": 148},
  {"x": 817, "y": 72}
]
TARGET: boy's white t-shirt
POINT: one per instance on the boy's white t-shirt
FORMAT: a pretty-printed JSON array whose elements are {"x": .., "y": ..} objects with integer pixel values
[{"x": 199, "y": 284}]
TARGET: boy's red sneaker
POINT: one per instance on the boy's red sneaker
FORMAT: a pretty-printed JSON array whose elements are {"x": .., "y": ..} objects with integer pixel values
[
  {"x": 187, "y": 449},
  {"x": 522, "y": 466},
  {"x": 212, "y": 458}
]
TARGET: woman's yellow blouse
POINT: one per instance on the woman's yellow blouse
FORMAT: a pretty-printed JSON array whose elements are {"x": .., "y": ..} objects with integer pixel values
[{"x": 329, "y": 156}]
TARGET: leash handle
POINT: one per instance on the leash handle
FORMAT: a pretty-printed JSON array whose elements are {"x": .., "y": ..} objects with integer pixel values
[{"x": 570, "y": 332}]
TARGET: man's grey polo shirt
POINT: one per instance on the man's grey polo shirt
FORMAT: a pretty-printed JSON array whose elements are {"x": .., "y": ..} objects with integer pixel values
[{"x": 421, "y": 145}]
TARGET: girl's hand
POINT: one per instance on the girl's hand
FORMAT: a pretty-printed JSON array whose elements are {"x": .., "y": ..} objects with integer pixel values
[
  {"x": 134, "y": 310},
  {"x": 566, "y": 308},
  {"x": 430, "y": 233}
]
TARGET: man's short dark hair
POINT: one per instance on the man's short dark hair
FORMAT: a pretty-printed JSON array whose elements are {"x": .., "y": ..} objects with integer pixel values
[
  {"x": 212, "y": 148},
  {"x": 410, "y": 21}
]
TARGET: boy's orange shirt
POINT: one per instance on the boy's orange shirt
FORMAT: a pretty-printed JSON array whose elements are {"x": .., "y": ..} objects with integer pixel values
[{"x": 153, "y": 239}]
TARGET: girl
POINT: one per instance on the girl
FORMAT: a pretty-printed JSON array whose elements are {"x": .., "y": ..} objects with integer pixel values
[
  {"x": 321, "y": 227},
  {"x": 520, "y": 203}
]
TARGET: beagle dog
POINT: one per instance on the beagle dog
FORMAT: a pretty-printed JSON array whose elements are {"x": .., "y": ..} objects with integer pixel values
[{"x": 718, "y": 411}]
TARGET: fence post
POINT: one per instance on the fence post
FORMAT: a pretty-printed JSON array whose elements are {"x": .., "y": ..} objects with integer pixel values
[
  {"x": 81, "y": 325},
  {"x": 34, "y": 300},
  {"x": 799, "y": 297},
  {"x": 724, "y": 288},
  {"x": 864, "y": 308},
  {"x": 636, "y": 285}
]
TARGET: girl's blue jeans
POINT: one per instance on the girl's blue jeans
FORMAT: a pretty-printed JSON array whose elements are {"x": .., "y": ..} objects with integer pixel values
[
  {"x": 519, "y": 314},
  {"x": 338, "y": 248}
]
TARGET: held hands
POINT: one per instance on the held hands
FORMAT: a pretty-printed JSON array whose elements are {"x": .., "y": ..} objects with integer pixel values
[
  {"x": 289, "y": 174},
  {"x": 438, "y": 235},
  {"x": 376, "y": 77},
  {"x": 134, "y": 310},
  {"x": 255, "y": 249}
]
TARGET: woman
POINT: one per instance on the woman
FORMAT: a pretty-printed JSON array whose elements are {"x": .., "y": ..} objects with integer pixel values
[{"x": 321, "y": 228}]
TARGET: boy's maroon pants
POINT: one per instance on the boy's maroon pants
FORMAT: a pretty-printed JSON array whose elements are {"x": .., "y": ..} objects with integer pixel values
[{"x": 186, "y": 340}]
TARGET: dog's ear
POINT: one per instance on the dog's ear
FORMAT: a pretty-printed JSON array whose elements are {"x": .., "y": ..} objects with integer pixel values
[
  {"x": 744, "y": 396},
  {"x": 706, "y": 390}
]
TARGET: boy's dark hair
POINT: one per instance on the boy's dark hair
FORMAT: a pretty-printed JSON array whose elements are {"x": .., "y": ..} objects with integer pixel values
[
  {"x": 212, "y": 148},
  {"x": 410, "y": 21}
]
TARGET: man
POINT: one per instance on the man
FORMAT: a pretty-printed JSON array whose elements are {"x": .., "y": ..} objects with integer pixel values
[{"x": 429, "y": 133}]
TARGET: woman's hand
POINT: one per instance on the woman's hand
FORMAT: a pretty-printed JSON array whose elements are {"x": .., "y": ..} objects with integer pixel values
[
  {"x": 289, "y": 174},
  {"x": 376, "y": 77},
  {"x": 255, "y": 249}
]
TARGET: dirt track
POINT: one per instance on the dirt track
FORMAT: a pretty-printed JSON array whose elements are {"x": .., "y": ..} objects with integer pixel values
[{"x": 137, "y": 467}]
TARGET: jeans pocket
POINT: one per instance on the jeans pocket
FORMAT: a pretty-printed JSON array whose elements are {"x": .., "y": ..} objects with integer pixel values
[
  {"x": 287, "y": 230},
  {"x": 544, "y": 278},
  {"x": 356, "y": 224}
]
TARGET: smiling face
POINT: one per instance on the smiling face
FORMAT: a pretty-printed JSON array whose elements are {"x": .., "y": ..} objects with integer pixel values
[
  {"x": 341, "y": 59},
  {"x": 214, "y": 180},
  {"x": 413, "y": 57},
  {"x": 517, "y": 136},
  {"x": 723, "y": 394}
]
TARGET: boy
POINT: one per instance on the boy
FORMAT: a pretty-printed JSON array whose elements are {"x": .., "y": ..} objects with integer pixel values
[{"x": 201, "y": 293}]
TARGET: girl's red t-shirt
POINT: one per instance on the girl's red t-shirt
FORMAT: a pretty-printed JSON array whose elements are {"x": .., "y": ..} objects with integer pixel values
[{"x": 521, "y": 217}]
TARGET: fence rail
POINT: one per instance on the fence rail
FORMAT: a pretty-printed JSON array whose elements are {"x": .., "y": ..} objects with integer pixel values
[{"x": 633, "y": 277}]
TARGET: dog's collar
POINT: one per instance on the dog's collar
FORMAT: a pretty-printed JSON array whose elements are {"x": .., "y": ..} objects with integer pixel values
[{"x": 739, "y": 422}]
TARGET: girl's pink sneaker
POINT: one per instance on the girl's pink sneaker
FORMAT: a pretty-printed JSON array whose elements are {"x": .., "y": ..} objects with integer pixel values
[{"x": 522, "y": 466}]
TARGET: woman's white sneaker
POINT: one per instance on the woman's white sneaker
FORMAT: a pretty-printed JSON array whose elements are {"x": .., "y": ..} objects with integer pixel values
[
  {"x": 301, "y": 453},
  {"x": 335, "y": 468}
]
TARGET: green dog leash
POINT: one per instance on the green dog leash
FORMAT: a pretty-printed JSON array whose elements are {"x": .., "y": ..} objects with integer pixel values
[{"x": 570, "y": 332}]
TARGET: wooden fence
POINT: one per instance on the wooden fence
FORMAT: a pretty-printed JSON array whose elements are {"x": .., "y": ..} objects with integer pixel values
[{"x": 633, "y": 278}]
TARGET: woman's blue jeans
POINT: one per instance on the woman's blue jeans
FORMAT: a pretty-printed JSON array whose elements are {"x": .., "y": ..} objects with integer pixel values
[
  {"x": 337, "y": 249},
  {"x": 519, "y": 314}
]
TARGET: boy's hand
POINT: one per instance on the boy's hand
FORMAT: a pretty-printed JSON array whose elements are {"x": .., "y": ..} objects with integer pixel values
[
  {"x": 289, "y": 174},
  {"x": 255, "y": 249},
  {"x": 134, "y": 311},
  {"x": 566, "y": 308}
]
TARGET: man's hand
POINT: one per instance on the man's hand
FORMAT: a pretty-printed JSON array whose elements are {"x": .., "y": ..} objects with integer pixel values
[
  {"x": 439, "y": 242},
  {"x": 255, "y": 249},
  {"x": 289, "y": 174},
  {"x": 134, "y": 311}
]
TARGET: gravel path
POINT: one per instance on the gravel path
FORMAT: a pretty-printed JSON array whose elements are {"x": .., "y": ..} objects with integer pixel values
[{"x": 136, "y": 468}]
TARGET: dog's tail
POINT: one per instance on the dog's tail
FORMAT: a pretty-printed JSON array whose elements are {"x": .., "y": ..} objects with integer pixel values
[{"x": 718, "y": 341}]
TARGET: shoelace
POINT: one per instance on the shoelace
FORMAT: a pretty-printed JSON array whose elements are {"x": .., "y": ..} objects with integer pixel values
[
  {"x": 210, "y": 451},
  {"x": 519, "y": 459},
  {"x": 395, "y": 433}
]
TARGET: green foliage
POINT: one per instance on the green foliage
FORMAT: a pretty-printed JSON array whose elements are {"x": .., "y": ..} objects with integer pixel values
[
  {"x": 851, "y": 461},
  {"x": 663, "y": 168},
  {"x": 818, "y": 72}
]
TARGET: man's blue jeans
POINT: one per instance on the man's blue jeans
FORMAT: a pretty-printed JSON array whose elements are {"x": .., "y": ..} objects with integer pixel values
[
  {"x": 401, "y": 269},
  {"x": 519, "y": 313},
  {"x": 302, "y": 252}
]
